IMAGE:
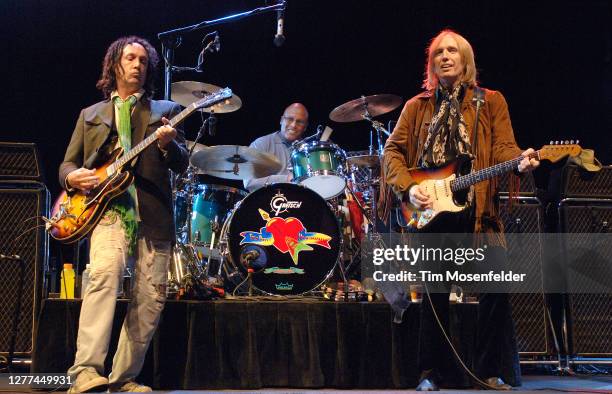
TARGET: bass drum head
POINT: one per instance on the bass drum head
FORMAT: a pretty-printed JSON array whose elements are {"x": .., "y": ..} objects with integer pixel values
[{"x": 291, "y": 235}]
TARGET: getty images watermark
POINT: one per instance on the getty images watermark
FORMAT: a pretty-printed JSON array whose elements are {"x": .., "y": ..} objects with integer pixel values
[{"x": 510, "y": 263}]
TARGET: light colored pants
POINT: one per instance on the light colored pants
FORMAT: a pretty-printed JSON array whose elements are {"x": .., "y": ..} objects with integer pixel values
[{"x": 108, "y": 259}]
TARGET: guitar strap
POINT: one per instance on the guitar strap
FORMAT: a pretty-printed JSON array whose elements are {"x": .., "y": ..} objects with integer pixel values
[
  {"x": 479, "y": 100},
  {"x": 422, "y": 135}
]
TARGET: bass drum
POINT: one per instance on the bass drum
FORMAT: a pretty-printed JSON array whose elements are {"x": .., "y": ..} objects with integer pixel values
[{"x": 289, "y": 236}]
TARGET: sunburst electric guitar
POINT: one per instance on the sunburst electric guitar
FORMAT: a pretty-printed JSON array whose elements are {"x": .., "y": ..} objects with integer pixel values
[
  {"x": 444, "y": 184},
  {"x": 75, "y": 214}
]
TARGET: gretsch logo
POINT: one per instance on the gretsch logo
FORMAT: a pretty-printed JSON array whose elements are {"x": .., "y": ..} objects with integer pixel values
[{"x": 280, "y": 204}]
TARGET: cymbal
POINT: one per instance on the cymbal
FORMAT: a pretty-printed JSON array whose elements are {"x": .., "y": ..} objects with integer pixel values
[
  {"x": 235, "y": 162},
  {"x": 198, "y": 147},
  {"x": 354, "y": 110},
  {"x": 187, "y": 92},
  {"x": 368, "y": 161}
]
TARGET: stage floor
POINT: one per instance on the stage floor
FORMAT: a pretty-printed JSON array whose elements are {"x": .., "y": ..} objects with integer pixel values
[{"x": 539, "y": 384}]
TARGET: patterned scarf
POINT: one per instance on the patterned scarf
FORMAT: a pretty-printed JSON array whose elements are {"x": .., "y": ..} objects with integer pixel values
[{"x": 447, "y": 136}]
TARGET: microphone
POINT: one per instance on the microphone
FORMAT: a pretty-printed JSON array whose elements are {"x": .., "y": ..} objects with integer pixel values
[
  {"x": 212, "y": 46},
  {"x": 212, "y": 124},
  {"x": 217, "y": 42},
  {"x": 279, "y": 38},
  {"x": 253, "y": 258},
  {"x": 250, "y": 255}
]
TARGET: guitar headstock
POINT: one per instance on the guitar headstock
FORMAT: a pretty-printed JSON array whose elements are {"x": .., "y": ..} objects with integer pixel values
[
  {"x": 213, "y": 98},
  {"x": 557, "y": 150}
]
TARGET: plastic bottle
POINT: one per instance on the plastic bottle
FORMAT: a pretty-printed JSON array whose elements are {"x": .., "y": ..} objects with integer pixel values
[
  {"x": 84, "y": 280},
  {"x": 67, "y": 280}
]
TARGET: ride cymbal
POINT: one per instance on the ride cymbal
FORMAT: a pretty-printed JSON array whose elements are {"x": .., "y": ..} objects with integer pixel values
[{"x": 375, "y": 105}]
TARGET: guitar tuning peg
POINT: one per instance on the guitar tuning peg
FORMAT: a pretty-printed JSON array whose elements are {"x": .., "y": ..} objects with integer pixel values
[
  {"x": 572, "y": 142},
  {"x": 551, "y": 142},
  {"x": 577, "y": 142},
  {"x": 567, "y": 142}
]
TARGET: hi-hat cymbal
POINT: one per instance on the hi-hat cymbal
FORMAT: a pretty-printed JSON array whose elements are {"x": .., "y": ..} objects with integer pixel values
[
  {"x": 187, "y": 92},
  {"x": 198, "y": 147},
  {"x": 355, "y": 110},
  {"x": 235, "y": 162},
  {"x": 365, "y": 160}
]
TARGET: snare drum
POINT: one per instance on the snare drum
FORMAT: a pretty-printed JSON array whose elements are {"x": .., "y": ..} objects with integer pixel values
[
  {"x": 319, "y": 166},
  {"x": 290, "y": 236},
  {"x": 210, "y": 207}
]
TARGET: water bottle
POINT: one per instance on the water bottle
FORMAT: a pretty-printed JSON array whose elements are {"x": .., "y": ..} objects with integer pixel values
[
  {"x": 67, "y": 280},
  {"x": 84, "y": 280}
]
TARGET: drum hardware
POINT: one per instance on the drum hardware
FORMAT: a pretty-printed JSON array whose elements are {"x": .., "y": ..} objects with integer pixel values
[
  {"x": 366, "y": 108},
  {"x": 200, "y": 210},
  {"x": 194, "y": 146},
  {"x": 184, "y": 269},
  {"x": 367, "y": 160},
  {"x": 235, "y": 162}
]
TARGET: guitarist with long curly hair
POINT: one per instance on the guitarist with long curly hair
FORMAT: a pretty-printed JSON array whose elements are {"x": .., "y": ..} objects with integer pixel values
[{"x": 136, "y": 226}]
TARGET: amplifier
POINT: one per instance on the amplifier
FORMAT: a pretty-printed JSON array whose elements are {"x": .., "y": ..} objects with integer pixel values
[
  {"x": 22, "y": 233},
  {"x": 528, "y": 309},
  {"x": 20, "y": 161},
  {"x": 589, "y": 313},
  {"x": 580, "y": 183}
]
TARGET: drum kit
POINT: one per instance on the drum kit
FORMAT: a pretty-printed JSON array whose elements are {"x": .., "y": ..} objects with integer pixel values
[{"x": 284, "y": 238}]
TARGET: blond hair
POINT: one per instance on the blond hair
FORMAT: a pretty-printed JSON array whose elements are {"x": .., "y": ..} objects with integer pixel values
[{"x": 431, "y": 80}]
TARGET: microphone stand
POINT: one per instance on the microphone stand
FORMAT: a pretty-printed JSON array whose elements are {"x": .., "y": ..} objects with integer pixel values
[{"x": 171, "y": 39}]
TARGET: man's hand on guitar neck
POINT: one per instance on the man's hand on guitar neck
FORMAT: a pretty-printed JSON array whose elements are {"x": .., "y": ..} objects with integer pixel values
[
  {"x": 419, "y": 197},
  {"x": 528, "y": 164},
  {"x": 165, "y": 134},
  {"x": 82, "y": 179}
]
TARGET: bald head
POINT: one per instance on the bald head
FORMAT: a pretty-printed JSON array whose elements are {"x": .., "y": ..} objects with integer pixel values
[{"x": 294, "y": 121}]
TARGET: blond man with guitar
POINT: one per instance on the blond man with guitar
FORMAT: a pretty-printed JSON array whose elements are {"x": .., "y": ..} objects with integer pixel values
[
  {"x": 436, "y": 127},
  {"x": 135, "y": 221}
]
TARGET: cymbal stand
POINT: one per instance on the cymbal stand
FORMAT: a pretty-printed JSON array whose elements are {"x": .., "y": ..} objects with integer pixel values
[{"x": 380, "y": 129}]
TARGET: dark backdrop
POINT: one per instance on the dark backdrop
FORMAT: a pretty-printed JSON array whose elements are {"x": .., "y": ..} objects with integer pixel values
[{"x": 552, "y": 61}]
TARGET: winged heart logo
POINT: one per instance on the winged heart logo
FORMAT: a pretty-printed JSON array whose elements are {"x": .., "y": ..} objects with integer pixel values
[{"x": 286, "y": 235}]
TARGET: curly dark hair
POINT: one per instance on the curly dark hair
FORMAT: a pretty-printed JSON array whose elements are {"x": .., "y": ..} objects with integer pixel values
[{"x": 108, "y": 81}]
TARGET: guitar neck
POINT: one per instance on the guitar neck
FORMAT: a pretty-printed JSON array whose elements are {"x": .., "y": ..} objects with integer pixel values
[
  {"x": 135, "y": 151},
  {"x": 465, "y": 181}
]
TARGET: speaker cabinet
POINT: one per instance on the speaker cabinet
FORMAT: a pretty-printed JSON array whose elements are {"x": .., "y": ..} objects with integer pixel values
[
  {"x": 526, "y": 184},
  {"x": 21, "y": 205},
  {"x": 20, "y": 161},
  {"x": 523, "y": 223},
  {"x": 589, "y": 314},
  {"x": 579, "y": 183}
]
